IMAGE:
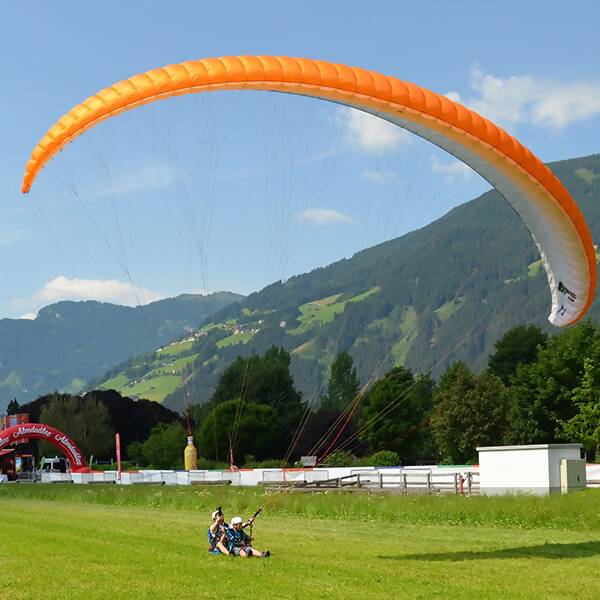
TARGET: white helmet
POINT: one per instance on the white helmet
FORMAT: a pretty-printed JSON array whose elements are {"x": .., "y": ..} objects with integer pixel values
[
  {"x": 236, "y": 520},
  {"x": 216, "y": 514}
]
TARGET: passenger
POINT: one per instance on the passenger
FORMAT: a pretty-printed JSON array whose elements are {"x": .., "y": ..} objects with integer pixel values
[
  {"x": 239, "y": 543},
  {"x": 216, "y": 534}
]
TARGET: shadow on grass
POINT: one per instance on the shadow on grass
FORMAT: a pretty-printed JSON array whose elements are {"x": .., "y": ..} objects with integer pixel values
[{"x": 575, "y": 550}]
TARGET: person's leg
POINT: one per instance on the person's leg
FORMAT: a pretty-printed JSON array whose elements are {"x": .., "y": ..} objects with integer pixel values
[
  {"x": 222, "y": 549},
  {"x": 260, "y": 554}
]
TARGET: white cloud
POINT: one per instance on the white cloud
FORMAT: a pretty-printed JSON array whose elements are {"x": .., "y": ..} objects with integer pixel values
[
  {"x": 29, "y": 316},
  {"x": 323, "y": 216},
  {"x": 103, "y": 290},
  {"x": 143, "y": 179},
  {"x": 454, "y": 96},
  {"x": 529, "y": 99},
  {"x": 379, "y": 177},
  {"x": 370, "y": 133},
  {"x": 453, "y": 169}
]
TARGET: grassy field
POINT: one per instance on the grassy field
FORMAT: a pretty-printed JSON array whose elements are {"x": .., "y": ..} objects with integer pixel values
[
  {"x": 154, "y": 388},
  {"x": 160, "y": 381},
  {"x": 117, "y": 542},
  {"x": 175, "y": 367},
  {"x": 318, "y": 312},
  {"x": 176, "y": 348},
  {"x": 445, "y": 311},
  {"x": 240, "y": 338}
]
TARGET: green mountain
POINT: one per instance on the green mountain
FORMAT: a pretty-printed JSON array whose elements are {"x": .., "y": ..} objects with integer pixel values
[
  {"x": 69, "y": 343},
  {"x": 445, "y": 292}
]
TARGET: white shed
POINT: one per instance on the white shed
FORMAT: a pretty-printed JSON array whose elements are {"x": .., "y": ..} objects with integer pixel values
[{"x": 534, "y": 469}]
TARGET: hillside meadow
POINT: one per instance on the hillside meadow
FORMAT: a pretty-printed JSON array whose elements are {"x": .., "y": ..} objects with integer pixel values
[{"x": 111, "y": 541}]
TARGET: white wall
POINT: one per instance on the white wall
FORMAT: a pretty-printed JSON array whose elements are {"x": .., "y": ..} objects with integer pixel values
[{"x": 532, "y": 469}]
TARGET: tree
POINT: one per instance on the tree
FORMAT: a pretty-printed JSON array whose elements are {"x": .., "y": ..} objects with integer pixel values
[
  {"x": 395, "y": 415},
  {"x": 262, "y": 380},
  {"x": 343, "y": 384},
  {"x": 518, "y": 346},
  {"x": 259, "y": 432},
  {"x": 341, "y": 458},
  {"x": 542, "y": 392},
  {"x": 164, "y": 448},
  {"x": 85, "y": 420},
  {"x": 320, "y": 430},
  {"x": 135, "y": 453},
  {"x": 133, "y": 419},
  {"x": 13, "y": 407},
  {"x": 469, "y": 411},
  {"x": 584, "y": 426}
]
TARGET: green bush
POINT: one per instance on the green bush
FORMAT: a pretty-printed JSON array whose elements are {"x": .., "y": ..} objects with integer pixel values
[
  {"x": 135, "y": 452},
  {"x": 383, "y": 458}
]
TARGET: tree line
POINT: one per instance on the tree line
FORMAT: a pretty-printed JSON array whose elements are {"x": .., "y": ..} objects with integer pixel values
[{"x": 535, "y": 389}]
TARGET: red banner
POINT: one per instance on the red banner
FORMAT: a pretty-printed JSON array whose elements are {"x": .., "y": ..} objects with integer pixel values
[{"x": 118, "y": 445}]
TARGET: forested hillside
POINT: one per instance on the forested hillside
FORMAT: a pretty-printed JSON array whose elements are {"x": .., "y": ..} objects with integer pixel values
[
  {"x": 443, "y": 293},
  {"x": 69, "y": 343}
]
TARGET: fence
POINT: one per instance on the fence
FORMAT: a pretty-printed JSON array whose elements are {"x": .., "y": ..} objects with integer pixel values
[
  {"x": 293, "y": 476},
  {"x": 404, "y": 480}
]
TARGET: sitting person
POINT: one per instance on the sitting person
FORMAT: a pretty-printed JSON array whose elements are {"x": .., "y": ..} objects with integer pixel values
[
  {"x": 216, "y": 534},
  {"x": 238, "y": 542}
]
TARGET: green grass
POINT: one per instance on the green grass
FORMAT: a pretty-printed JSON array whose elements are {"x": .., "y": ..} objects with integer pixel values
[
  {"x": 319, "y": 312},
  {"x": 445, "y": 311},
  {"x": 178, "y": 365},
  {"x": 175, "y": 349},
  {"x": 533, "y": 270},
  {"x": 579, "y": 511},
  {"x": 304, "y": 348},
  {"x": 240, "y": 338},
  {"x": 160, "y": 381},
  {"x": 116, "y": 383},
  {"x": 155, "y": 388},
  {"x": 399, "y": 328},
  {"x": 408, "y": 330},
  {"x": 587, "y": 175},
  {"x": 97, "y": 542},
  {"x": 75, "y": 386}
]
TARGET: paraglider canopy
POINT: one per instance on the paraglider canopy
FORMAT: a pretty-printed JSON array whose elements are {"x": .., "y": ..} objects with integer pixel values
[{"x": 547, "y": 209}]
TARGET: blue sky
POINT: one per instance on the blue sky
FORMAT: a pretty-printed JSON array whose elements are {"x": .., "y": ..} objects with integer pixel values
[{"x": 235, "y": 190}]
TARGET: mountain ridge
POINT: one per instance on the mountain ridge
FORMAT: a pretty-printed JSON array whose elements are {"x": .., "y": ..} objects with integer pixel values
[
  {"x": 70, "y": 342},
  {"x": 444, "y": 292}
]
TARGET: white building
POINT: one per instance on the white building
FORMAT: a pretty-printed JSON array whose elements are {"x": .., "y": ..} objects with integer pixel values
[{"x": 534, "y": 469}]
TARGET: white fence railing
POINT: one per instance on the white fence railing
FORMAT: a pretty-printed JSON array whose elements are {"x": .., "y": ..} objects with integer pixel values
[{"x": 371, "y": 478}]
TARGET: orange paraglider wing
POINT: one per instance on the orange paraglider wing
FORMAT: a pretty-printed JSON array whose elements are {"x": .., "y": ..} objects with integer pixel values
[{"x": 543, "y": 203}]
